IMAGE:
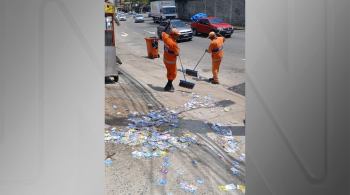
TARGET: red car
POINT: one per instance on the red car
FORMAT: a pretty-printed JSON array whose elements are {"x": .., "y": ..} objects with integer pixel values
[{"x": 208, "y": 24}]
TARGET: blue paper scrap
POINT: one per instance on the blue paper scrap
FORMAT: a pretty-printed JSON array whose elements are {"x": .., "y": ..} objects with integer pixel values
[
  {"x": 162, "y": 182},
  {"x": 200, "y": 181},
  {"x": 109, "y": 161},
  {"x": 167, "y": 163}
]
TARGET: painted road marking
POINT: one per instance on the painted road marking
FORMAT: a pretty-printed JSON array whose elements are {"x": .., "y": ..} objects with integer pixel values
[
  {"x": 149, "y": 32},
  {"x": 124, "y": 34}
]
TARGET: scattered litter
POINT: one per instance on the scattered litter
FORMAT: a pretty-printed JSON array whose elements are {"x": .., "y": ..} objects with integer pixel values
[
  {"x": 169, "y": 193},
  {"x": 166, "y": 163},
  {"x": 235, "y": 171},
  {"x": 231, "y": 187},
  {"x": 147, "y": 132},
  {"x": 162, "y": 182},
  {"x": 222, "y": 188},
  {"x": 109, "y": 161},
  {"x": 179, "y": 172},
  {"x": 114, "y": 106},
  {"x": 242, "y": 157},
  {"x": 190, "y": 188},
  {"x": 235, "y": 164},
  {"x": 182, "y": 182},
  {"x": 200, "y": 181},
  {"x": 165, "y": 157},
  {"x": 163, "y": 171},
  {"x": 242, "y": 188}
]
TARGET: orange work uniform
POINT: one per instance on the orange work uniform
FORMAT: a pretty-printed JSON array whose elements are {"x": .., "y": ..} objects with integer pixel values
[
  {"x": 216, "y": 48},
  {"x": 171, "y": 51}
]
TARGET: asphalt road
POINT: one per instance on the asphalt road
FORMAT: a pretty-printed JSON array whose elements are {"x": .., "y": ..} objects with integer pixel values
[{"x": 232, "y": 69}]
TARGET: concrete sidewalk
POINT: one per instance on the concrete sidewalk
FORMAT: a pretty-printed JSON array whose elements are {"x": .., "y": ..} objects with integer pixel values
[{"x": 141, "y": 83}]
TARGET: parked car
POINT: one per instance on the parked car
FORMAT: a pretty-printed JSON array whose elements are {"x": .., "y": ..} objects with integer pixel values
[
  {"x": 209, "y": 24},
  {"x": 184, "y": 29},
  {"x": 122, "y": 17},
  {"x": 130, "y": 12},
  {"x": 139, "y": 18}
]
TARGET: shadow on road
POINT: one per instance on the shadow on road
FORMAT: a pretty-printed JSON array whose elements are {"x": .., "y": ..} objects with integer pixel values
[
  {"x": 240, "y": 89},
  {"x": 156, "y": 88}
]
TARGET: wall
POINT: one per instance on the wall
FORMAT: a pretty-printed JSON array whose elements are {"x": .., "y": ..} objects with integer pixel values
[{"x": 231, "y": 11}]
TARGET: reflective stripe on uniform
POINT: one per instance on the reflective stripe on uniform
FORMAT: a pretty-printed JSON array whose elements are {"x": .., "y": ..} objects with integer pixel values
[
  {"x": 169, "y": 51},
  {"x": 169, "y": 61},
  {"x": 216, "y": 50},
  {"x": 177, "y": 52},
  {"x": 217, "y": 59}
]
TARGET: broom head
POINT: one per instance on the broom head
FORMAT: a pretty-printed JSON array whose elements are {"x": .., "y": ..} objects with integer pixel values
[
  {"x": 192, "y": 72},
  {"x": 186, "y": 84}
]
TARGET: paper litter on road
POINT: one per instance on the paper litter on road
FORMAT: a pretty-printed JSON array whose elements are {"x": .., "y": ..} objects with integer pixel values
[
  {"x": 163, "y": 171},
  {"x": 235, "y": 171},
  {"x": 162, "y": 182},
  {"x": 231, "y": 187},
  {"x": 109, "y": 161},
  {"x": 179, "y": 172},
  {"x": 222, "y": 188},
  {"x": 200, "y": 181},
  {"x": 167, "y": 163}
]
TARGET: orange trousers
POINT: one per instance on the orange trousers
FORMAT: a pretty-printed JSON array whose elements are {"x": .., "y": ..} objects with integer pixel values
[
  {"x": 171, "y": 70},
  {"x": 215, "y": 70}
]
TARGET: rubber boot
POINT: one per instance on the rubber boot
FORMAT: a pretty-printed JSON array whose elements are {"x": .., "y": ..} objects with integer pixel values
[{"x": 168, "y": 85}]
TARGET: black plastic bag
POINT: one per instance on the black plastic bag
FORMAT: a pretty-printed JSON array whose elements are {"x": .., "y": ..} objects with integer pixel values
[{"x": 155, "y": 43}]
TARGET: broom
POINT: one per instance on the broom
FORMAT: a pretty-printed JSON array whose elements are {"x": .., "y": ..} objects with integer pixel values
[
  {"x": 184, "y": 83},
  {"x": 193, "y": 72}
]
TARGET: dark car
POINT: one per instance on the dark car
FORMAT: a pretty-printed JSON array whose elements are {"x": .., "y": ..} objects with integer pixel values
[{"x": 184, "y": 29}]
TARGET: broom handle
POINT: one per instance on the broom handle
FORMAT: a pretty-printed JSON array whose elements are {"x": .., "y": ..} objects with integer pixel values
[
  {"x": 200, "y": 60},
  {"x": 182, "y": 67}
]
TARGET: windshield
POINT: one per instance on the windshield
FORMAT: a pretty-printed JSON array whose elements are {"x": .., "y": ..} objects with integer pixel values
[
  {"x": 122, "y": 15},
  {"x": 177, "y": 24},
  {"x": 216, "y": 21},
  {"x": 169, "y": 10},
  {"x": 138, "y": 15}
]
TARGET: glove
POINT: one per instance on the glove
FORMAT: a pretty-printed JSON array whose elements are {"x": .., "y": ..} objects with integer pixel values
[
  {"x": 219, "y": 35},
  {"x": 207, "y": 50}
]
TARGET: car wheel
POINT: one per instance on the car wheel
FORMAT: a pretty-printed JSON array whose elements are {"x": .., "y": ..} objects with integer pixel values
[
  {"x": 116, "y": 78},
  {"x": 190, "y": 39},
  {"x": 229, "y": 36},
  {"x": 194, "y": 31}
]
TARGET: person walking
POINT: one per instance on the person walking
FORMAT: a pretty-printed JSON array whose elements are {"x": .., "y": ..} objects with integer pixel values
[
  {"x": 217, "y": 52},
  {"x": 171, "y": 51}
]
